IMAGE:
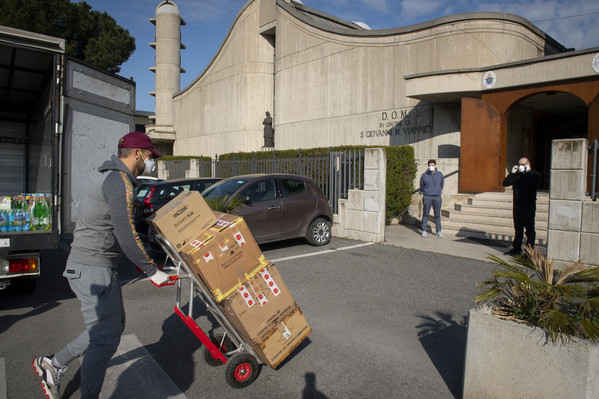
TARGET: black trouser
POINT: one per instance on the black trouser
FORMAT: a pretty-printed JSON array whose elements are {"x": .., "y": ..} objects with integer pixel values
[{"x": 524, "y": 217}]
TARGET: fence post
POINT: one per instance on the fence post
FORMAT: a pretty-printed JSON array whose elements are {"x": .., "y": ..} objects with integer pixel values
[{"x": 215, "y": 172}]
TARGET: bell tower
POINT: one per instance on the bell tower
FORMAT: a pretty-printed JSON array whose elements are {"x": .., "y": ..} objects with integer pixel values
[{"x": 168, "y": 69}]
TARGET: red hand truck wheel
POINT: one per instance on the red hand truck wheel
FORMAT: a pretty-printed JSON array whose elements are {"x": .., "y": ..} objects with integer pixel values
[
  {"x": 242, "y": 369},
  {"x": 226, "y": 346}
]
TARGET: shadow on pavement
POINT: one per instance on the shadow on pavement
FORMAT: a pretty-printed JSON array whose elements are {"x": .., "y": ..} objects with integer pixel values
[
  {"x": 310, "y": 391},
  {"x": 443, "y": 337}
]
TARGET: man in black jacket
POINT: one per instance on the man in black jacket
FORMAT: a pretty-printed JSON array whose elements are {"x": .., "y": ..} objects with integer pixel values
[{"x": 525, "y": 182}]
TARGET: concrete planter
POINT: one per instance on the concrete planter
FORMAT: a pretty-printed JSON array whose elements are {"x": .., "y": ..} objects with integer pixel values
[{"x": 505, "y": 359}]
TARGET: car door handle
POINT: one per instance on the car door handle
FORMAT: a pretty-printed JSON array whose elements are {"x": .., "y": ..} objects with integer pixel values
[{"x": 273, "y": 207}]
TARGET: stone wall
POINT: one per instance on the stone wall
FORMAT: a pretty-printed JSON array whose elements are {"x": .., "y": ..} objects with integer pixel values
[
  {"x": 362, "y": 215},
  {"x": 573, "y": 218}
]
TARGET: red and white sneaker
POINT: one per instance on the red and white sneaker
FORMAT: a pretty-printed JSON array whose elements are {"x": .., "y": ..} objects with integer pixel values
[{"x": 50, "y": 375}]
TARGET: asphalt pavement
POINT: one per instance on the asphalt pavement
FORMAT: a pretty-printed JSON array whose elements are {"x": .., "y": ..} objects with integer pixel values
[{"x": 388, "y": 320}]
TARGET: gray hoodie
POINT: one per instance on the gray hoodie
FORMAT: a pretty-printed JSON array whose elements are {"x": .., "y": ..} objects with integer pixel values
[{"x": 105, "y": 226}]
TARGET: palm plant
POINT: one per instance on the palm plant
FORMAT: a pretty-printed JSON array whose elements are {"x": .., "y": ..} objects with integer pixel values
[
  {"x": 223, "y": 204},
  {"x": 530, "y": 289}
]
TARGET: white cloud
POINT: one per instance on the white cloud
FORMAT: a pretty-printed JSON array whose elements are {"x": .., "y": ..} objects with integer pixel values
[
  {"x": 417, "y": 8},
  {"x": 573, "y": 23}
]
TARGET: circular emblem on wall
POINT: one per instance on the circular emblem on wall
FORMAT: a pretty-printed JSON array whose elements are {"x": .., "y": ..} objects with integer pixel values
[
  {"x": 595, "y": 63},
  {"x": 489, "y": 79}
]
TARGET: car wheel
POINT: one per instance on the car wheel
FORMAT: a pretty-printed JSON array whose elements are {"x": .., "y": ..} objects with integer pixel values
[{"x": 319, "y": 232}]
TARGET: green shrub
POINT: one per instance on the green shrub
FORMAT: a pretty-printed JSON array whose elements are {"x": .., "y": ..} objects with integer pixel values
[
  {"x": 182, "y": 157},
  {"x": 401, "y": 170},
  {"x": 565, "y": 303}
]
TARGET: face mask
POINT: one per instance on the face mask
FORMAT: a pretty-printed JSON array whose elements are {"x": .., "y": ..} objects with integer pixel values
[
  {"x": 150, "y": 167},
  {"x": 521, "y": 168},
  {"x": 431, "y": 168}
]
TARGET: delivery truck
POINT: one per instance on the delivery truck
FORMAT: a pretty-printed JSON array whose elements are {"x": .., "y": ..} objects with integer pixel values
[{"x": 59, "y": 120}]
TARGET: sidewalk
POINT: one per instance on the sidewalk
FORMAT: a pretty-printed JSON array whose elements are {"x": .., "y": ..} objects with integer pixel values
[{"x": 408, "y": 236}]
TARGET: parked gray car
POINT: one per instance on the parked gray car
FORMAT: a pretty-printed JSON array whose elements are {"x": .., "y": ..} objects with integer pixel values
[{"x": 279, "y": 206}]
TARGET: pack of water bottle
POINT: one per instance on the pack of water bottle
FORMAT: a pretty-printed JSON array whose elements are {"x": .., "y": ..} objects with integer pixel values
[{"x": 25, "y": 212}]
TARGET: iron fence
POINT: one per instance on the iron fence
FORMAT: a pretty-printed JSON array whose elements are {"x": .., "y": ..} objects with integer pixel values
[{"x": 335, "y": 173}]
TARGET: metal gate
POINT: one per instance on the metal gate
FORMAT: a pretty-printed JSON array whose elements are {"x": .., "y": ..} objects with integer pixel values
[{"x": 335, "y": 173}]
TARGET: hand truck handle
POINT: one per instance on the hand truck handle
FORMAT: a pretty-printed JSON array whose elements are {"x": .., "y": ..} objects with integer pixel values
[{"x": 172, "y": 280}]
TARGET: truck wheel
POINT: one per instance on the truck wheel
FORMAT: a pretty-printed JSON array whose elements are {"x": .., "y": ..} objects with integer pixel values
[
  {"x": 241, "y": 370},
  {"x": 226, "y": 347},
  {"x": 319, "y": 232},
  {"x": 25, "y": 285}
]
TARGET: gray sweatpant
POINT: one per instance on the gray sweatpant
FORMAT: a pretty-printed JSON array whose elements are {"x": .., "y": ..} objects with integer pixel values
[
  {"x": 435, "y": 201},
  {"x": 99, "y": 292}
]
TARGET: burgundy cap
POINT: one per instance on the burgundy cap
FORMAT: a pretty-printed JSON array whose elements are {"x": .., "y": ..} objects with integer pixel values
[{"x": 138, "y": 140}]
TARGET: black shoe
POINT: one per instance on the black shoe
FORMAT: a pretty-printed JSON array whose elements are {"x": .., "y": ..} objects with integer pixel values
[{"x": 513, "y": 252}]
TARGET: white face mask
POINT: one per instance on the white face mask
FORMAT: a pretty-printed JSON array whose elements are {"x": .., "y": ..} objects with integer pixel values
[
  {"x": 431, "y": 168},
  {"x": 150, "y": 167},
  {"x": 521, "y": 168}
]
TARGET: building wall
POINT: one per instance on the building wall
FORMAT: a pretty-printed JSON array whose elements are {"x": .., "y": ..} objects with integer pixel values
[
  {"x": 325, "y": 88},
  {"x": 332, "y": 87},
  {"x": 223, "y": 109}
]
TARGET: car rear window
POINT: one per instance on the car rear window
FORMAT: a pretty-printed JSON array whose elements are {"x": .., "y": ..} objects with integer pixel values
[
  {"x": 291, "y": 187},
  {"x": 170, "y": 192}
]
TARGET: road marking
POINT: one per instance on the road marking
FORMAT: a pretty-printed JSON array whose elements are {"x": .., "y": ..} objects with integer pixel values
[
  {"x": 3, "y": 390},
  {"x": 328, "y": 251},
  {"x": 133, "y": 373}
]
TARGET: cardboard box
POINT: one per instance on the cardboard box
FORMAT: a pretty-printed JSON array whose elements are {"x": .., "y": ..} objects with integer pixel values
[
  {"x": 258, "y": 304},
  {"x": 183, "y": 218},
  {"x": 283, "y": 338},
  {"x": 225, "y": 256}
]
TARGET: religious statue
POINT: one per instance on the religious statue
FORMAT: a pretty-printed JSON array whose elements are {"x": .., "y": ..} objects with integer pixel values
[{"x": 269, "y": 133}]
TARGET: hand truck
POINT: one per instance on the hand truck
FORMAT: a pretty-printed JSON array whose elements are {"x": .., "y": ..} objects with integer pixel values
[{"x": 242, "y": 365}]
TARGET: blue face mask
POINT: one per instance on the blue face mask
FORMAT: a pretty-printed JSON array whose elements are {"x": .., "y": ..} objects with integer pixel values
[{"x": 431, "y": 168}]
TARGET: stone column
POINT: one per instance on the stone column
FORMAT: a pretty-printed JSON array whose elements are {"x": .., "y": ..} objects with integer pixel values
[
  {"x": 362, "y": 215},
  {"x": 567, "y": 192}
]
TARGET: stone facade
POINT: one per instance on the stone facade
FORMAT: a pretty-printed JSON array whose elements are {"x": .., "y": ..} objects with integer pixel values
[
  {"x": 337, "y": 84},
  {"x": 573, "y": 218},
  {"x": 362, "y": 215}
]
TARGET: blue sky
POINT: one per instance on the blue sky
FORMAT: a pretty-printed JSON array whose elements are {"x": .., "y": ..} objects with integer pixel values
[{"x": 573, "y": 23}]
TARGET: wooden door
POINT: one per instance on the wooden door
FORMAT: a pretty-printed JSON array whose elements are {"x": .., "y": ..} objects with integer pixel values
[{"x": 480, "y": 152}]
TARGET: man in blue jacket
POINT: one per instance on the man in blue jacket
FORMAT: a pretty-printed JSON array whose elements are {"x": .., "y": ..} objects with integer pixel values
[
  {"x": 104, "y": 231},
  {"x": 431, "y": 186}
]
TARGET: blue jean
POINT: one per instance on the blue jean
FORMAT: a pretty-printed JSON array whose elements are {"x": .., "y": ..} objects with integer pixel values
[
  {"x": 99, "y": 292},
  {"x": 434, "y": 201}
]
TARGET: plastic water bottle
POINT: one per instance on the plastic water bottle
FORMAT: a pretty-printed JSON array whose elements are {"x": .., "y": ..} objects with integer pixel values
[
  {"x": 44, "y": 213},
  {"x": 35, "y": 219},
  {"x": 4, "y": 220}
]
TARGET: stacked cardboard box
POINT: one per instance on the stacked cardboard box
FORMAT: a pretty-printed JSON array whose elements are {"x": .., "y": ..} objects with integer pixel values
[
  {"x": 221, "y": 251},
  {"x": 265, "y": 314},
  {"x": 224, "y": 256},
  {"x": 183, "y": 218}
]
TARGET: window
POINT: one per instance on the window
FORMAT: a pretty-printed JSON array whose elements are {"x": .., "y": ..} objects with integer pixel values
[
  {"x": 260, "y": 191},
  {"x": 171, "y": 192},
  {"x": 291, "y": 187}
]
